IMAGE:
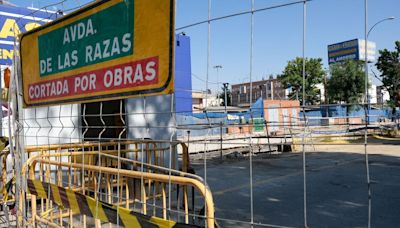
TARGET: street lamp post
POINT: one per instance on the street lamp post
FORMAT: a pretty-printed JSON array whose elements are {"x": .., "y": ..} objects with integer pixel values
[
  {"x": 226, "y": 100},
  {"x": 385, "y": 19},
  {"x": 367, "y": 100},
  {"x": 367, "y": 96},
  {"x": 217, "y": 67}
]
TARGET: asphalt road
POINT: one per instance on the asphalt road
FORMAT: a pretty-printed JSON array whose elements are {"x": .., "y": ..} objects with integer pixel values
[{"x": 336, "y": 188}]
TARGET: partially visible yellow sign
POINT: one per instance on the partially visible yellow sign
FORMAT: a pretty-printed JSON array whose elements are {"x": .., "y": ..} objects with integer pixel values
[{"x": 108, "y": 50}]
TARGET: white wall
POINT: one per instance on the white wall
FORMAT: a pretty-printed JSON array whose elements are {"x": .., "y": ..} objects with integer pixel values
[
  {"x": 372, "y": 94},
  {"x": 52, "y": 125},
  {"x": 151, "y": 118},
  {"x": 321, "y": 87}
]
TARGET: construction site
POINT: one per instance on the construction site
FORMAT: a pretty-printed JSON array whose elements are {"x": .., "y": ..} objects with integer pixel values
[{"x": 101, "y": 128}]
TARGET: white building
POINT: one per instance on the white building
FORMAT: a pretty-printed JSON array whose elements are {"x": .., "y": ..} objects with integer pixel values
[
  {"x": 372, "y": 94},
  {"x": 321, "y": 88},
  {"x": 382, "y": 94},
  {"x": 202, "y": 100}
]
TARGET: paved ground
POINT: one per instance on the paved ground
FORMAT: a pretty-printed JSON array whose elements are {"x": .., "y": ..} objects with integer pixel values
[{"x": 336, "y": 184}]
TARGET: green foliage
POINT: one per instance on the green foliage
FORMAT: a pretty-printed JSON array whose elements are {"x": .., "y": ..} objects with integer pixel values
[
  {"x": 228, "y": 97},
  {"x": 292, "y": 77},
  {"x": 347, "y": 82},
  {"x": 389, "y": 65}
]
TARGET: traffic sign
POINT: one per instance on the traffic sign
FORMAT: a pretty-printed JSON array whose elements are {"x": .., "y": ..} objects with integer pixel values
[{"x": 111, "y": 49}]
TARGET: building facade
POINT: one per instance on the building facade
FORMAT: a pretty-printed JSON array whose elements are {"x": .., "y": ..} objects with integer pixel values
[{"x": 270, "y": 89}]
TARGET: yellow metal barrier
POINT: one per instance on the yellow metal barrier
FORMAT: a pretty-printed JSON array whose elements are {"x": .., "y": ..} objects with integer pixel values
[
  {"x": 103, "y": 175},
  {"x": 81, "y": 204},
  {"x": 3, "y": 158},
  {"x": 152, "y": 149},
  {"x": 4, "y": 183}
]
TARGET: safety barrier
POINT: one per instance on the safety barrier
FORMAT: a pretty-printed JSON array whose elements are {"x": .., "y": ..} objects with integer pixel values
[
  {"x": 81, "y": 204},
  {"x": 6, "y": 184},
  {"x": 3, "y": 160},
  {"x": 100, "y": 171},
  {"x": 154, "y": 151}
]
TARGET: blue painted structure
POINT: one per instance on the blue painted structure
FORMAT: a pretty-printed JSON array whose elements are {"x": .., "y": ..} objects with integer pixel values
[{"x": 183, "y": 75}]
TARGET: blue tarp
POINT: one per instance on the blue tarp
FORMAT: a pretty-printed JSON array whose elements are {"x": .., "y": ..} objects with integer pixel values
[
  {"x": 340, "y": 111},
  {"x": 199, "y": 123}
]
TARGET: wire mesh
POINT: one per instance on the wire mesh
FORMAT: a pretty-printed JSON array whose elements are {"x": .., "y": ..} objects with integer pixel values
[{"x": 232, "y": 154}]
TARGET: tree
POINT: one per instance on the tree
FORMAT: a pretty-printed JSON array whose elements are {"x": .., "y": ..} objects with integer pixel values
[
  {"x": 292, "y": 77},
  {"x": 222, "y": 96},
  {"x": 389, "y": 65},
  {"x": 347, "y": 83}
]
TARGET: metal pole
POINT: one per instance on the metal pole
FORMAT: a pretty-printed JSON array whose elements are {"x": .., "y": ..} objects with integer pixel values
[
  {"x": 304, "y": 47},
  {"x": 208, "y": 51},
  {"x": 366, "y": 59},
  {"x": 304, "y": 103},
  {"x": 218, "y": 67},
  {"x": 220, "y": 134},
  {"x": 251, "y": 51},
  {"x": 208, "y": 71},
  {"x": 251, "y": 115},
  {"x": 326, "y": 99},
  {"x": 366, "y": 112},
  {"x": 217, "y": 78},
  {"x": 226, "y": 98}
]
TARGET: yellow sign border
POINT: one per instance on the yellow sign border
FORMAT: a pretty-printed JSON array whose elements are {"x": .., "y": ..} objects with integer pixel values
[{"x": 164, "y": 86}]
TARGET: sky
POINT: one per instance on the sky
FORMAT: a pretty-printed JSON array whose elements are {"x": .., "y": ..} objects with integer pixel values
[{"x": 277, "y": 34}]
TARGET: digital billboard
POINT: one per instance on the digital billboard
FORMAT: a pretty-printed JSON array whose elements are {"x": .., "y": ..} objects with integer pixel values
[{"x": 350, "y": 50}]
